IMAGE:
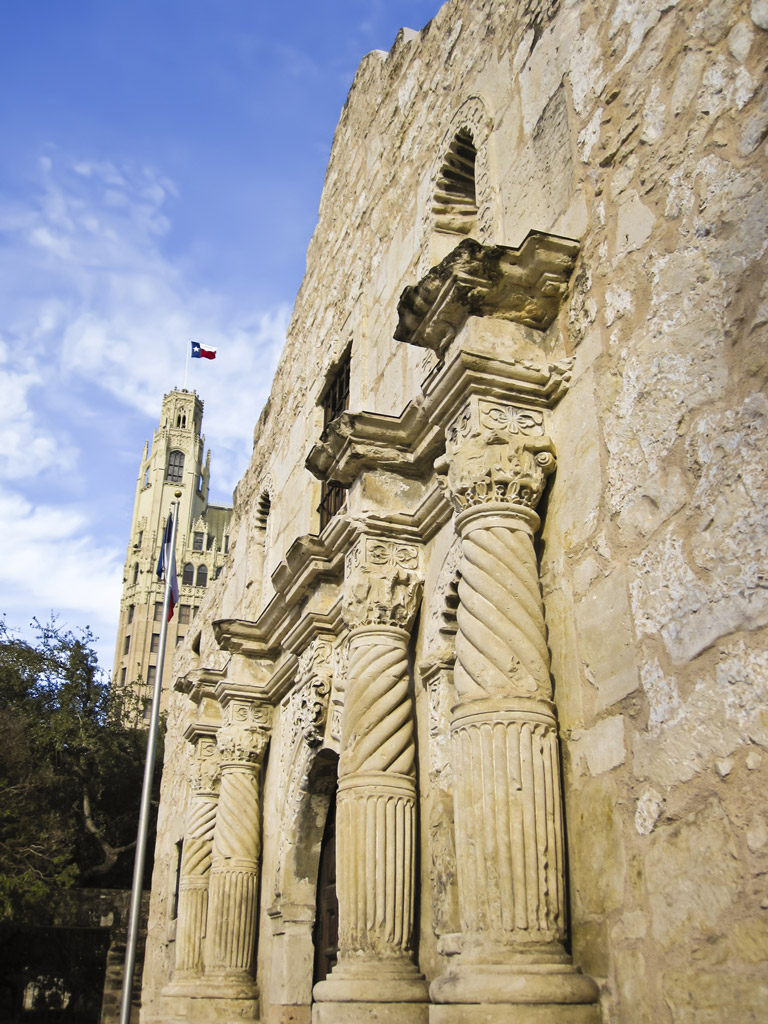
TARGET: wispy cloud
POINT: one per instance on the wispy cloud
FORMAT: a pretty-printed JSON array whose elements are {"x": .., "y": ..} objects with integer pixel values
[{"x": 96, "y": 313}]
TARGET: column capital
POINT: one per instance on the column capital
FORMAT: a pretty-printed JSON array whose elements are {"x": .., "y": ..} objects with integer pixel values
[
  {"x": 497, "y": 454},
  {"x": 245, "y": 734},
  {"x": 204, "y": 774},
  {"x": 382, "y": 585}
]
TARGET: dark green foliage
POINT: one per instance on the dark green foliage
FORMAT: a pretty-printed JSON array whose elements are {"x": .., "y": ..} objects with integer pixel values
[{"x": 71, "y": 767}]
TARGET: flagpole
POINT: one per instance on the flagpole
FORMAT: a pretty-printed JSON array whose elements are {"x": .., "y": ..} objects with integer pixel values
[
  {"x": 134, "y": 917},
  {"x": 186, "y": 364}
]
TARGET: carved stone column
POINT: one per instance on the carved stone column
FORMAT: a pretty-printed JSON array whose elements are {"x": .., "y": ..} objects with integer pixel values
[
  {"x": 232, "y": 902},
  {"x": 506, "y": 770},
  {"x": 196, "y": 856},
  {"x": 375, "y": 977}
]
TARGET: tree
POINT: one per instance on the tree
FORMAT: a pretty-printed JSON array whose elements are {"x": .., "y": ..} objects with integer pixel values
[{"x": 71, "y": 767}]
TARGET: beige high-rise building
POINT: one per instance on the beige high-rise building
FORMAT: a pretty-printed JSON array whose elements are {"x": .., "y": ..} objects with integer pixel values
[
  {"x": 173, "y": 463},
  {"x": 473, "y": 729}
]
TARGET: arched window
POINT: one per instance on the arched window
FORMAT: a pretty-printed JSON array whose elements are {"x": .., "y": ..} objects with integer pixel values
[
  {"x": 188, "y": 577},
  {"x": 202, "y": 576},
  {"x": 175, "y": 467},
  {"x": 455, "y": 202},
  {"x": 262, "y": 512},
  {"x": 181, "y": 420},
  {"x": 136, "y": 572}
]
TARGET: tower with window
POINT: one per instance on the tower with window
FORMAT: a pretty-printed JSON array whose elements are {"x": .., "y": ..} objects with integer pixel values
[{"x": 174, "y": 462}]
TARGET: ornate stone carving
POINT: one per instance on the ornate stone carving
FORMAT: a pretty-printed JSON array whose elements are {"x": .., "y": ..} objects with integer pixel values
[
  {"x": 304, "y": 713},
  {"x": 204, "y": 777},
  {"x": 229, "y": 948},
  {"x": 309, "y": 701},
  {"x": 509, "y": 844},
  {"x": 496, "y": 452},
  {"x": 525, "y": 285},
  {"x": 244, "y": 736},
  {"x": 197, "y": 853},
  {"x": 383, "y": 584}
]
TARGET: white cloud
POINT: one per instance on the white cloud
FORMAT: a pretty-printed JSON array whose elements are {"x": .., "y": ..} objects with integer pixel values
[
  {"x": 95, "y": 317},
  {"x": 52, "y": 563}
]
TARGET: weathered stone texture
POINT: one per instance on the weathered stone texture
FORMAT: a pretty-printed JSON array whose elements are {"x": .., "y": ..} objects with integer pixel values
[{"x": 639, "y": 129}]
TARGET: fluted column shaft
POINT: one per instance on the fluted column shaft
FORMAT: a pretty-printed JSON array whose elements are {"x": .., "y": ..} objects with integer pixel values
[{"x": 234, "y": 872}]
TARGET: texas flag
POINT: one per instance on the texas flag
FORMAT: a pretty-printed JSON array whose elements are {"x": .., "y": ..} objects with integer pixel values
[
  {"x": 202, "y": 351},
  {"x": 166, "y": 566}
]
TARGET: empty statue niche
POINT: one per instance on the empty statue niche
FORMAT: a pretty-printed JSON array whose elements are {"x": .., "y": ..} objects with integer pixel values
[{"x": 325, "y": 935}]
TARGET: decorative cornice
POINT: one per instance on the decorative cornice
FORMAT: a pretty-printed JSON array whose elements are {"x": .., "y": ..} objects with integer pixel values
[
  {"x": 525, "y": 285},
  {"x": 355, "y": 442},
  {"x": 200, "y": 683}
]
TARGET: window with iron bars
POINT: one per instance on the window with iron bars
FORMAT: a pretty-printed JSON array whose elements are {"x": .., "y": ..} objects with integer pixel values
[{"x": 334, "y": 402}]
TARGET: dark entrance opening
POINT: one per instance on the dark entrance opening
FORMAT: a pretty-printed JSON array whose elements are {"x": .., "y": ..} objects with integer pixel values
[{"x": 326, "y": 931}]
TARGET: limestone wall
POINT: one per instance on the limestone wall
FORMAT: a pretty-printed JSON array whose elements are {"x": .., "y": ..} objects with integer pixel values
[{"x": 638, "y": 128}]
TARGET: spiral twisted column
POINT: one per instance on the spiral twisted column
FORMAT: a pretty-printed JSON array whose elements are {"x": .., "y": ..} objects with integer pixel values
[
  {"x": 505, "y": 751},
  {"x": 376, "y": 804},
  {"x": 231, "y": 924}
]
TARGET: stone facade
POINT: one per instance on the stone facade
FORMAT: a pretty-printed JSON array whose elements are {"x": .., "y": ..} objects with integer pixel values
[
  {"x": 174, "y": 463},
  {"x": 523, "y": 661}
]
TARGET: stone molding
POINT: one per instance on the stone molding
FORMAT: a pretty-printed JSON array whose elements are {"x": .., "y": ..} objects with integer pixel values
[{"x": 525, "y": 285}]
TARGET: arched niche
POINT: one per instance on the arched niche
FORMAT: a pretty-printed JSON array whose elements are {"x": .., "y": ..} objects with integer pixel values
[
  {"x": 306, "y": 800},
  {"x": 462, "y": 196}
]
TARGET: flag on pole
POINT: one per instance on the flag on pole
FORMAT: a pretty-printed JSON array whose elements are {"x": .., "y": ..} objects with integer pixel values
[
  {"x": 166, "y": 566},
  {"x": 202, "y": 351}
]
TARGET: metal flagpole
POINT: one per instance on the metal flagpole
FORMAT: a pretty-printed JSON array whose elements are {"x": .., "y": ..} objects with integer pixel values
[
  {"x": 146, "y": 792},
  {"x": 186, "y": 364}
]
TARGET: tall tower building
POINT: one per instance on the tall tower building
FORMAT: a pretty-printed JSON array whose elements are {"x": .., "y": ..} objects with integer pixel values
[{"x": 174, "y": 462}]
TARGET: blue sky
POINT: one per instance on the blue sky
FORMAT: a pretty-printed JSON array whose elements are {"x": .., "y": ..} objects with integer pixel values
[{"x": 160, "y": 174}]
